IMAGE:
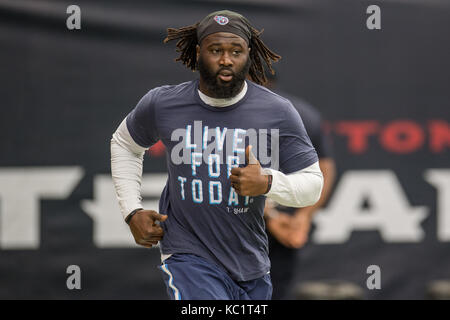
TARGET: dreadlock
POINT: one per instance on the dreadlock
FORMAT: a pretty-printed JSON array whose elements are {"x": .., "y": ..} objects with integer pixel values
[
  {"x": 259, "y": 49},
  {"x": 259, "y": 52},
  {"x": 186, "y": 44}
]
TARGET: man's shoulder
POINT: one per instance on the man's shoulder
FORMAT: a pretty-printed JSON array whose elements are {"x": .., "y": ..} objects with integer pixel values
[
  {"x": 168, "y": 92},
  {"x": 268, "y": 95}
]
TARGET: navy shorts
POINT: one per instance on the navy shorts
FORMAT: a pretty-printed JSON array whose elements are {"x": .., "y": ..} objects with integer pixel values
[{"x": 190, "y": 277}]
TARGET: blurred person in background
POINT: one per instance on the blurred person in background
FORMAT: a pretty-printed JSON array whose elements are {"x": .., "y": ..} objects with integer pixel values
[{"x": 288, "y": 228}]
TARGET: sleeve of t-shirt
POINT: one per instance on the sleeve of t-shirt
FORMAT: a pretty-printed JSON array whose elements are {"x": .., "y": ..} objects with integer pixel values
[
  {"x": 296, "y": 150},
  {"x": 141, "y": 121}
]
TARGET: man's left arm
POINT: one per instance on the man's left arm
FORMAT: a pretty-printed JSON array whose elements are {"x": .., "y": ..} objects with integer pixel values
[{"x": 298, "y": 189}]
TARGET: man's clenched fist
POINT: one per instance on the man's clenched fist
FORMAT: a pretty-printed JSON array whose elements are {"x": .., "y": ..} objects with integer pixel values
[
  {"x": 249, "y": 180},
  {"x": 144, "y": 228}
]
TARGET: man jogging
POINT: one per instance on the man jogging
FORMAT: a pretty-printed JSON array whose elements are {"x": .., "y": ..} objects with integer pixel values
[{"x": 230, "y": 143}]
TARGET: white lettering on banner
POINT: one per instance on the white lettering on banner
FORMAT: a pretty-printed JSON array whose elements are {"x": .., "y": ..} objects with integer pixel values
[
  {"x": 440, "y": 179},
  {"x": 20, "y": 192},
  {"x": 389, "y": 212},
  {"x": 110, "y": 231}
]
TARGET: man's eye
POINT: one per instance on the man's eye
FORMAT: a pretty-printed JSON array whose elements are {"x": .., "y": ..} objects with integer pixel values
[
  {"x": 215, "y": 51},
  {"x": 236, "y": 52}
]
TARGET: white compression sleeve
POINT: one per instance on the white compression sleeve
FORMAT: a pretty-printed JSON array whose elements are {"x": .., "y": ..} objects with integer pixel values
[
  {"x": 298, "y": 189},
  {"x": 127, "y": 159}
]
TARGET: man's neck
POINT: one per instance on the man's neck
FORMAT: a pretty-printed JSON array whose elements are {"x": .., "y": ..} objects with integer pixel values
[{"x": 223, "y": 102}]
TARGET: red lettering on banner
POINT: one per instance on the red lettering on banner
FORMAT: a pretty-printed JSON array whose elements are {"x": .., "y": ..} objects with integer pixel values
[
  {"x": 402, "y": 136},
  {"x": 357, "y": 132},
  {"x": 439, "y": 135}
]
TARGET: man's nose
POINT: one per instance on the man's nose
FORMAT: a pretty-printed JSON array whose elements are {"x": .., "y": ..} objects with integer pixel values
[{"x": 225, "y": 60}]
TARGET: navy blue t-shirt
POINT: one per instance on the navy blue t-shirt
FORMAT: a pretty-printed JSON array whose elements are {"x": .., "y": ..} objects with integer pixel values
[{"x": 206, "y": 217}]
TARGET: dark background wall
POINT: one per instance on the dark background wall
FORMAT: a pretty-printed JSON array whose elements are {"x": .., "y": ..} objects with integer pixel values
[{"x": 64, "y": 92}]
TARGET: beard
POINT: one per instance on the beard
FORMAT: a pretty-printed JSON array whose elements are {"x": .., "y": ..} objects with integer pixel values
[{"x": 219, "y": 88}]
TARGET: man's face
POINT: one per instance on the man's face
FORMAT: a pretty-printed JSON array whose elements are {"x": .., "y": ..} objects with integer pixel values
[{"x": 223, "y": 63}]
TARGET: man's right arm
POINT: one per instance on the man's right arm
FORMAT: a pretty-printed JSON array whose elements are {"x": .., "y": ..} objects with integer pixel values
[
  {"x": 127, "y": 159},
  {"x": 126, "y": 168}
]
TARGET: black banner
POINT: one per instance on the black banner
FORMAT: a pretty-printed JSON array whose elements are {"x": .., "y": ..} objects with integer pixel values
[{"x": 70, "y": 72}]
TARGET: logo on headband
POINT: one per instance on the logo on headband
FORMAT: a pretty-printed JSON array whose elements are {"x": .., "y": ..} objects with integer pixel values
[{"x": 221, "y": 20}]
